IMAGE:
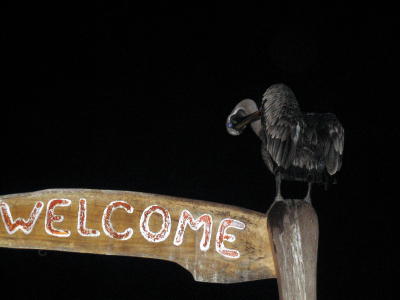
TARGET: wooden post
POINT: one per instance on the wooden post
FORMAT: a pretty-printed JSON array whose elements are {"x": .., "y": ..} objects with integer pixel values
[{"x": 293, "y": 230}]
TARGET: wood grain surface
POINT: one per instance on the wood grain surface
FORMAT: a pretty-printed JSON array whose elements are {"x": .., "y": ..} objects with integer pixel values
[
  {"x": 293, "y": 226},
  {"x": 235, "y": 248}
]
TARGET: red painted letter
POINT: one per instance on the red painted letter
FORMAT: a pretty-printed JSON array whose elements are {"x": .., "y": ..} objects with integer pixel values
[
  {"x": 223, "y": 236},
  {"x": 187, "y": 218},
  {"x": 106, "y": 222},
  {"x": 165, "y": 230},
  {"x": 25, "y": 226},
  {"x": 82, "y": 230},
  {"x": 52, "y": 218}
]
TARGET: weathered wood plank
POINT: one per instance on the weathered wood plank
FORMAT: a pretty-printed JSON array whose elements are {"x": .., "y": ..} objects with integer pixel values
[
  {"x": 142, "y": 225},
  {"x": 293, "y": 226}
]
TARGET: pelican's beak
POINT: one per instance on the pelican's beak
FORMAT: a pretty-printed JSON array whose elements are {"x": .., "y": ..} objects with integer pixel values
[
  {"x": 247, "y": 120},
  {"x": 236, "y": 123}
]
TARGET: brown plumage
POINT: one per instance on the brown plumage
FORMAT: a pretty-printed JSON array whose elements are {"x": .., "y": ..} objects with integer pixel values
[{"x": 295, "y": 146}]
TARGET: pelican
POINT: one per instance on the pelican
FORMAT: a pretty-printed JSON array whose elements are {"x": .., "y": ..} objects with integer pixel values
[{"x": 295, "y": 146}]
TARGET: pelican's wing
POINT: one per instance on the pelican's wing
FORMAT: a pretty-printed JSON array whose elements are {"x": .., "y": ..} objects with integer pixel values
[
  {"x": 283, "y": 123},
  {"x": 331, "y": 139}
]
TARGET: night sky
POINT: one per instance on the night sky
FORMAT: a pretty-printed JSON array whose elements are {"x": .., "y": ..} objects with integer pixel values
[{"x": 128, "y": 98}]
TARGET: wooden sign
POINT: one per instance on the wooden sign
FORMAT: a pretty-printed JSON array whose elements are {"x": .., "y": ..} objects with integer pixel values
[{"x": 216, "y": 243}]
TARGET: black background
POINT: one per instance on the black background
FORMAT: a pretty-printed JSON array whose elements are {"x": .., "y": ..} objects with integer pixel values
[{"x": 129, "y": 98}]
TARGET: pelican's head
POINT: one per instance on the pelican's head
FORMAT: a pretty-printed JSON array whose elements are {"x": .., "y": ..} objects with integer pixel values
[
  {"x": 244, "y": 113},
  {"x": 234, "y": 124},
  {"x": 237, "y": 121}
]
